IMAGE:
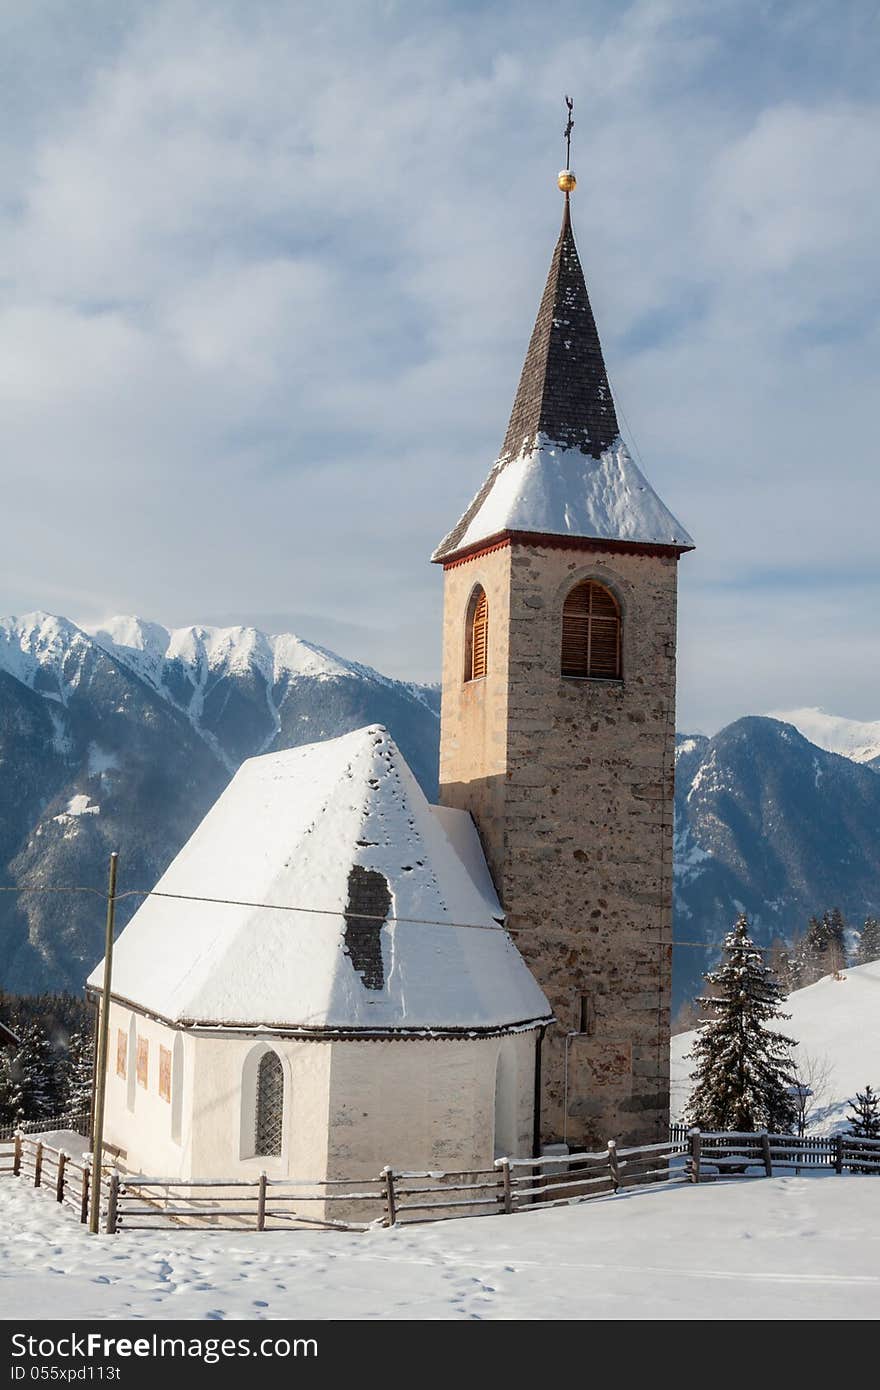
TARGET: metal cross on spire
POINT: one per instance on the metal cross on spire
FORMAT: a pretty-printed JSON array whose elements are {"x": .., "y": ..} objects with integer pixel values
[{"x": 566, "y": 179}]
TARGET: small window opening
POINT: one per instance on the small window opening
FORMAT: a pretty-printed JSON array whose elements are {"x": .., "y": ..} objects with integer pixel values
[
  {"x": 369, "y": 902},
  {"x": 587, "y": 1020}
]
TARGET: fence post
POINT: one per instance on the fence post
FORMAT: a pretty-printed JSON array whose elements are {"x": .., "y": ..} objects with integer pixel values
[
  {"x": 503, "y": 1166},
  {"x": 59, "y": 1181},
  {"x": 38, "y": 1163},
  {"x": 112, "y": 1203},
  {"x": 261, "y": 1204},
  {"x": 84, "y": 1194},
  {"x": 391, "y": 1217},
  {"x": 613, "y": 1165},
  {"x": 765, "y": 1150},
  {"x": 695, "y": 1147},
  {"x": 16, "y": 1155},
  {"x": 838, "y": 1153}
]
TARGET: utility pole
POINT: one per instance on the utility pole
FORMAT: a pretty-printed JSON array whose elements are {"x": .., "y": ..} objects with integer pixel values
[{"x": 101, "y": 1060}]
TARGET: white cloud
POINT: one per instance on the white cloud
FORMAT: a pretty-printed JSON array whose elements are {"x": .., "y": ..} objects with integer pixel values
[{"x": 268, "y": 275}]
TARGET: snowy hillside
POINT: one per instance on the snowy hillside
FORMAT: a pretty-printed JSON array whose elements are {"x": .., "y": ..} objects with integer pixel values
[
  {"x": 849, "y": 737},
  {"x": 779, "y": 1248},
  {"x": 837, "y": 1026}
]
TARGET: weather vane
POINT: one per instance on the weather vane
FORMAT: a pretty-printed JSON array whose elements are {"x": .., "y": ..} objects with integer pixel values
[{"x": 566, "y": 180}]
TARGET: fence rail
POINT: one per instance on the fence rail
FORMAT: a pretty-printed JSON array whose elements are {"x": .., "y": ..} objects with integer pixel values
[
  {"x": 133, "y": 1202},
  {"x": 76, "y": 1120},
  {"x": 68, "y": 1177}
]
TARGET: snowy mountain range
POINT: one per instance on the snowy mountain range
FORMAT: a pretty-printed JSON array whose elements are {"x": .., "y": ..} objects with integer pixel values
[
  {"x": 770, "y": 824},
  {"x": 122, "y": 735},
  {"x": 850, "y": 737}
]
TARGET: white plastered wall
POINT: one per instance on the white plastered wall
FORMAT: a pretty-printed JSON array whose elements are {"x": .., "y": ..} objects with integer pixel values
[
  {"x": 426, "y": 1104},
  {"x": 138, "y": 1121},
  {"x": 206, "y": 1128},
  {"x": 349, "y": 1107}
]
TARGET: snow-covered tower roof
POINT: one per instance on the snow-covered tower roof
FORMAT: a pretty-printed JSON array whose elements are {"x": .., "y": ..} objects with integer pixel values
[
  {"x": 404, "y": 932},
  {"x": 564, "y": 469}
]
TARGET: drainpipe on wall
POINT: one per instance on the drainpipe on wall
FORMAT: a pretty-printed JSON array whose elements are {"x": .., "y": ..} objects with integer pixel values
[{"x": 536, "y": 1112}]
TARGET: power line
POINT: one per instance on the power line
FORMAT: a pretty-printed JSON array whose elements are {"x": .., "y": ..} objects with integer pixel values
[
  {"x": 39, "y": 888},
  {"x": 324, "y": 912}
]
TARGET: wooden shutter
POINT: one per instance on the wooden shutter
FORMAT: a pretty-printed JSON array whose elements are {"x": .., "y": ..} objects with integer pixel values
[
  {"x": 478, "y": 642},
  {"x": 591, "y": 633},
  {"x": 143, "y": 1056},
  {"x": 121, "y": 1052}
]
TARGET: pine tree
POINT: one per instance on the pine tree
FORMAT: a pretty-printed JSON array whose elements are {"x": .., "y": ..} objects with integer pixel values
[
  {"x": 77, "y": 1073},
  {"x": 781, "y": 962},
  {"x": 11, "y": 1094},
  {"x": 824, "y": 947},
  {"x": 35, "y": 1070},
  {"x": 869, "y": 942},
  {"x": 865, "y": 1123},
  {"x": 744, "y": 1072},
  {"x": 793, "y": 977}
]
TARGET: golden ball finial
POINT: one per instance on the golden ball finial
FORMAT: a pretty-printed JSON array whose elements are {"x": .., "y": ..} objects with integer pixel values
[{"x": 566, "y": 180}]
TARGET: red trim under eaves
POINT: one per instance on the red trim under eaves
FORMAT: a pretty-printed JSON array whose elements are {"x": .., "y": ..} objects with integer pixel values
[{"x": 555, "y": 542}]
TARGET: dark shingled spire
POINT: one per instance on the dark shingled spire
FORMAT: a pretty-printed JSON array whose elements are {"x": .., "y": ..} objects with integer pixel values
[{"x": 563, "y": 392}]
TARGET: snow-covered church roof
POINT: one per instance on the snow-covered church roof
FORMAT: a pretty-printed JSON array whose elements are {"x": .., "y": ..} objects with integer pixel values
[
  {"x": 564, "y": 469},
  {"x": 341, "y": 828}
]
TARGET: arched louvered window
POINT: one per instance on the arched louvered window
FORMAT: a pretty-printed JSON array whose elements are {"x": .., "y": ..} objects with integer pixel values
[
  {"x": 591, "y": 632},
  {"x": 270, "y": 1105},
  {"x": 477, "y": 636}
]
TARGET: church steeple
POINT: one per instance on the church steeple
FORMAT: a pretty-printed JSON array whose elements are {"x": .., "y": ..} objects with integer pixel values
[
  {"x": 563, "y": 393},
  {"x": 563, "y": 469}
]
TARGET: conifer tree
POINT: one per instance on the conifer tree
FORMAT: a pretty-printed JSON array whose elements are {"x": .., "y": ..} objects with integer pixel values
[
  {"x": 744, "y": 1074},
  {"x": 34, "y": 1070},
  {"x": 11, "y": 1094},
  {"x": 869, "y": 942},
  {"x": 824, "y": 947},
  {"x": 77, "y": 1073},
  {"x": 865, "y": 1123}
]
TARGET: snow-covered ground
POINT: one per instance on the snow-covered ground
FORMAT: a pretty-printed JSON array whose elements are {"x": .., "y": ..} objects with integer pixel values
[
  {"x": 762, "y": 1248},
  {"x": 836, "y": 1024}
]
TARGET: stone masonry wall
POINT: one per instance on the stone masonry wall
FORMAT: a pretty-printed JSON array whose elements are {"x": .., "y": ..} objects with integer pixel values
[{"x": 571, "y": 784}]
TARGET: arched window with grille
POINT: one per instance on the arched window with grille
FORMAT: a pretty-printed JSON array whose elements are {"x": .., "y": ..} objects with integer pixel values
[
  {"x": 269, "y": 1118},
  {"x": 591, "y": 633},
  {"x": 477, "y": 636}
]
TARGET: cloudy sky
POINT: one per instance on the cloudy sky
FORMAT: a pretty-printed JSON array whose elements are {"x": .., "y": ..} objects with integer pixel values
[{"x": 268, "y": 271}]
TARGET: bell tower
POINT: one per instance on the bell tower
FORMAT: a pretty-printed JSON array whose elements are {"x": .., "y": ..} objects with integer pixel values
[{"x": 558, "y": 717}]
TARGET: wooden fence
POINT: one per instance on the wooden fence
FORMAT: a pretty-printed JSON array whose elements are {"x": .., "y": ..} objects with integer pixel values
[
  {"x": 715, "y": 1154},
  {"x": 132, "y": 1202},
  {"x": 67, "y": 1177},
  {"x": 77, "y": 1120},
  {"x": 394, "y": 1198}
]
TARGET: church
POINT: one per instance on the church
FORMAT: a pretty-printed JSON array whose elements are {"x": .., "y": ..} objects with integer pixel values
[{"x": 333, "y": 975}]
